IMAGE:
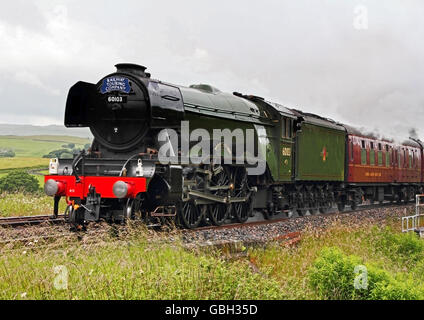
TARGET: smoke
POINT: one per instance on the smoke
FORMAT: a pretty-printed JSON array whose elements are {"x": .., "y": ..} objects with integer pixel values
[
  {"x": 304, "y": 54},
  {"x": 413, "y": 133}
]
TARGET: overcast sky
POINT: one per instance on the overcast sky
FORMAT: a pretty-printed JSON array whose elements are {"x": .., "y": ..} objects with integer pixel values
[{"x": 359, "y": 62}]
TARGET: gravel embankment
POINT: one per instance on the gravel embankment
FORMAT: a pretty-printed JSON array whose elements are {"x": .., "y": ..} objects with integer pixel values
[
  {"x": 268, "y": 232},
  {"x": 242, "y": 234}
]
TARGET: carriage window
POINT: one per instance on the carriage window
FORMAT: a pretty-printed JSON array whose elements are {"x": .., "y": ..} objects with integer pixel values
[
  {"x": 380, "y": 158},
  {"x": 372, "y": 145},
  {"x": 372, "y": 157},
  {"x": 283, "y": 128},
  {"x": 404, "y": 157},
  {"x": 379, "y": 146},
  {"x": 388, "y": 156},
  {"x": 410, "y": 160},
  {"x": 363, "y": 153},
  {"x": 351, "y": 150}
]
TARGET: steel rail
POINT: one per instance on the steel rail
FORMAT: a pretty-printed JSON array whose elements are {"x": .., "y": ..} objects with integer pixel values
[{"x": 30, "y": 220}]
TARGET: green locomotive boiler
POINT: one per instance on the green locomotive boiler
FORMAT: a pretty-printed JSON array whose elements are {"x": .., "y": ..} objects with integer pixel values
[{"x": 273, "y": 160}]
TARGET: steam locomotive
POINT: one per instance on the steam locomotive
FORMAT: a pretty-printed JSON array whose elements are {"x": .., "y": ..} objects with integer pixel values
[{"x": 286, "y": 161}]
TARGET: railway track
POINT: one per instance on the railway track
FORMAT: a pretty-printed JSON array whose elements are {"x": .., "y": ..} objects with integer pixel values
[
  {"x": 278, "y": 219},
  {"x": 39, "y": 219},
  {"x": 231, "y": 237},
  {"x": 30, "y": 221}
]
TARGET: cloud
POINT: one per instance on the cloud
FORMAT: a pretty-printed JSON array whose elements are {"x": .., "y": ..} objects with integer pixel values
[{"x": 306, "y": 54}]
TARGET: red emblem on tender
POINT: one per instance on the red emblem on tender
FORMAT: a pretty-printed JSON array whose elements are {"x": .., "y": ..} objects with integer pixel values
[{"x": 324, "y": 154}]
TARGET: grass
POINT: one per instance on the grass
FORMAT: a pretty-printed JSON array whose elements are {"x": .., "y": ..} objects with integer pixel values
[
  {"x": 20, "y": 204},
  {"x": 135, "y": 270},
  {"x": 383, "y": 250},
  {"x": 134, "y": 266},
  {"x": 37, "y": 146},
  {"x": 7, "y": 164}
]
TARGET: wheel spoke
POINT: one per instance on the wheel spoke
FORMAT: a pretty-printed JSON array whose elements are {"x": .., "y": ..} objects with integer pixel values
[
  {"x": 218, "y": 212},
  {"x": 241, "y": 210}
]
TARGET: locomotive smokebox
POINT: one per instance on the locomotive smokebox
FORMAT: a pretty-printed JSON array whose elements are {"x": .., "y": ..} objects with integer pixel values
[
  {"x": 123, "y": 107},
  {"x": 116, "y": 109}
]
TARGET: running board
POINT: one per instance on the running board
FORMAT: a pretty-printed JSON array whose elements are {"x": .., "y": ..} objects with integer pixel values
[{"x": 214, "y": 198}]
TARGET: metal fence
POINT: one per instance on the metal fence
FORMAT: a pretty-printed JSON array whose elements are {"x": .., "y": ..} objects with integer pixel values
[{"x": 416, "y": 221}]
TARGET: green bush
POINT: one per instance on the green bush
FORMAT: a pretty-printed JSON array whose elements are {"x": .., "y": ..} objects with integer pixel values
[
  {"x": 406, "y": 247},
  {"x": 7, "y": 153},
  {"x": 19, "y": 181},
  {"x": 333, "y": 275},
  {"x": 66, "y": 155},
  {"x": 61, "y": 153}
]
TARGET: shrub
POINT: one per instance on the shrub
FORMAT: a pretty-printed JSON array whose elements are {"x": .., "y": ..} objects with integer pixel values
[
  {"x": 18, "y": 181},
  {"x": 333, "y": 275},
  {"x": 66, "y": 155},
  {"x": 406, "y": 247},
  {"x": 7, "y": 153},
  {"x": 61, "y": 153}
]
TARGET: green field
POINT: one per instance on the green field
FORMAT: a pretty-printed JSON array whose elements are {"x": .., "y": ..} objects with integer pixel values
[
  {"x": 29, "y": 151},
  {"x": 7, "y": 164},
  {"x": 37, "y": 146}
]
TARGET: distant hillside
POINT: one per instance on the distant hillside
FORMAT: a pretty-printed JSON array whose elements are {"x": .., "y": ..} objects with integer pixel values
[
  {"x": 29, "y": 130},
  {"x": 37, "y": 146}
]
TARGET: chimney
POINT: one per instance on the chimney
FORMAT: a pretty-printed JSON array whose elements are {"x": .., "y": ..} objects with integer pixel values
[{"x": 135, "y": 69}]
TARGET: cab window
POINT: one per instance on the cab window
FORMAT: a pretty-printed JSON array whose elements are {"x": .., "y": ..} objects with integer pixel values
[
  {"x": 286, "y": 128},
  {"x": 283, "y": 128}
]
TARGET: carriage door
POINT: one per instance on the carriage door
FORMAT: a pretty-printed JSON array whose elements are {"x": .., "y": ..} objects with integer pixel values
[{"x": 286, "y": 150}]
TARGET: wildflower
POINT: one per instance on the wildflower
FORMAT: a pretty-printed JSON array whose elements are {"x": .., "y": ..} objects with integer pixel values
[{"x": 23, "y": 295}]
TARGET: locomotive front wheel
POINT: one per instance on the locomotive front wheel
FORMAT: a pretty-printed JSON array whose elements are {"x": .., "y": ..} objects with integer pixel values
[
  {"x": 129, "y": 210},
  {"x": 76, "y": 218}
]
